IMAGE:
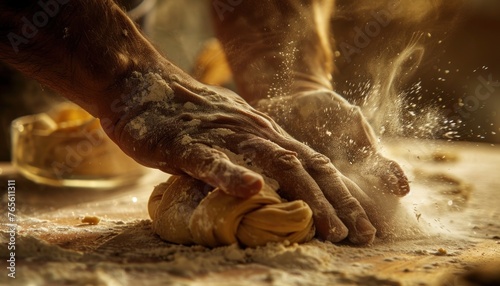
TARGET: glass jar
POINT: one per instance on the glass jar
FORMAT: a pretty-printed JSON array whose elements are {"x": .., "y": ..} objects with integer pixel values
[{"x": 67, "y": 147}]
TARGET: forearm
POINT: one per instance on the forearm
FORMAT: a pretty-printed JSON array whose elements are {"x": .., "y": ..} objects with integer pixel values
[
  {"x": 85, "y": 50},
  {"x": 276, "y": 47}
]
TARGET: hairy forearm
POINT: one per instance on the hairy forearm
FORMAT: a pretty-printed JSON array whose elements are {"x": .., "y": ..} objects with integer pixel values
[
  {"x": 82, "y": 49},
  {"x": 277, "y": 47}
]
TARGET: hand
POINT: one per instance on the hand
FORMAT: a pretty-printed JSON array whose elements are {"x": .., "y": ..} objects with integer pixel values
[
  {"x": 330, "y": 125},
  {"x": 183, "y": 127}
]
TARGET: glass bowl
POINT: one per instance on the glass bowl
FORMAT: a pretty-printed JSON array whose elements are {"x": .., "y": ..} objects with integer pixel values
[{"x": 67, "y": 147}]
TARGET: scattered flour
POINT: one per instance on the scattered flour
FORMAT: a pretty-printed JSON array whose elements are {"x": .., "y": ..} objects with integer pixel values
[
  {"x": 186, "y": 139},
  {"x": 123, "y": 249},
  {"x": 193, "y": 123},
  {"x": 190, "y": 106},
  {"x": 151, "y": 89},
  {"x": 240, "y": 160},
  {"x": 138, "y": 124}
]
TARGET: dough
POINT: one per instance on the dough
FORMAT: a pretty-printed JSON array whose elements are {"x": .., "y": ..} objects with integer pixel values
[
  {"x": 183, "y": 211},
  {"x": 92, "y": 220}
]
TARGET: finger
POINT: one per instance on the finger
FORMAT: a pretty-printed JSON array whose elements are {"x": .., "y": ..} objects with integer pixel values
[
  {"x": 295, "y": 183},
  {"x": 379, "y": 209},
  {"x": 368, "y": 204},
  {"x": 349, "y": 210},
  {"x": 214, "y": 167},
  {"x": 397, "y": 178}
]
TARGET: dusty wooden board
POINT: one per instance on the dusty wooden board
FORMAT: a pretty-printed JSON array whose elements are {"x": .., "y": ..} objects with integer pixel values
[{"x": 54, "y": 247}]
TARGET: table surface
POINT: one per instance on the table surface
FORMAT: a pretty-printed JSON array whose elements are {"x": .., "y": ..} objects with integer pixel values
[{"x": 54, "y": 247}]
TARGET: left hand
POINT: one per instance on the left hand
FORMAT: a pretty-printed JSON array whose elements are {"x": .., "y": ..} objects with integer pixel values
[{"x": 331, "y": 126}]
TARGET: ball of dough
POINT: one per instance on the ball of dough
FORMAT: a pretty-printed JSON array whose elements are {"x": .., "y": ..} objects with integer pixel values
[{"x": 183, "y": 213}]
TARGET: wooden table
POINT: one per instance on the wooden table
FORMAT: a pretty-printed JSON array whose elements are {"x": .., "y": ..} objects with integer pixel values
[{"x": 53, "y": 246}]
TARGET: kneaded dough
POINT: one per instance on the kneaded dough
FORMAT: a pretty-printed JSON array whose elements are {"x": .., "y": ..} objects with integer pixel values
[{"x": 184, "y": 212}]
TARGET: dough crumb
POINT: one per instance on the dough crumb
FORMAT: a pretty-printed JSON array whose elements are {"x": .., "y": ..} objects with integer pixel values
[
  {"x": 92, "y": 220},
  {"x": 441, "y": 252}
]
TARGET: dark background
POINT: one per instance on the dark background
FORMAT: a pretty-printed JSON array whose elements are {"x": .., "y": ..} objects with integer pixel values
[{"x": 460, "y": 43}]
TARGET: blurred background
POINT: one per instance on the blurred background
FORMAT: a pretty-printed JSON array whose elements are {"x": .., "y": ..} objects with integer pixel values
[{"x": 438, "y": 60}]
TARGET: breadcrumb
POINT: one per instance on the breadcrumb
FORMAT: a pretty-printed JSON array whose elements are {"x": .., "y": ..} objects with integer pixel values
[{"x": 92, "y": 220}]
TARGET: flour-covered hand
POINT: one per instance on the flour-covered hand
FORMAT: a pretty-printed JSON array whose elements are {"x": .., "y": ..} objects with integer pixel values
[{"x": 183, "y": 127}]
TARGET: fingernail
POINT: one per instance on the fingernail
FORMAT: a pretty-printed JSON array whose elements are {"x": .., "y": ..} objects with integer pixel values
[
  {"x": 393, "y": 179},
  {"x": 364, "y": 227},
  {"x": 253, "y": 183},
  {"x": 338, "y": 234}
]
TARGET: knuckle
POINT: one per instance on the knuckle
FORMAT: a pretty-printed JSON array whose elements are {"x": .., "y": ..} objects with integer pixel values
[
  {"x": 356, "y": 110},
  {"x": 321, "y": 163},
  {"x": 348, "y": 204},
  {"x": 286, "y": 160},
  {"x": 319, "y": 160},
  {"x": 214, "y": 159},
  {"x": 212, "y": 167},
  {"x": 185, "y": 117},
  {"x": 205, "y": 158},
  {"x": 251, "y": 147}
]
